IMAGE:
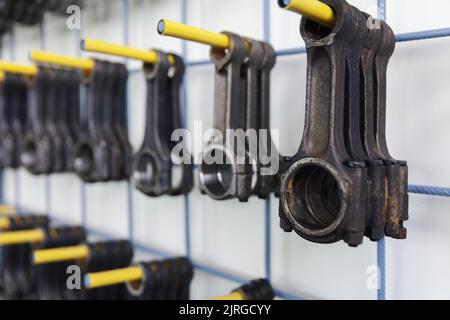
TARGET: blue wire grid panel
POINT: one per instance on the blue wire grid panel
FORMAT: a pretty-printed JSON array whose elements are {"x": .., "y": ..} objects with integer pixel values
[{"x": 417, "y": 189}]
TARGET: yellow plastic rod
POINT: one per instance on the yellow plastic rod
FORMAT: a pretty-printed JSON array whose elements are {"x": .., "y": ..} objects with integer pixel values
[
  {"x": 182, "y": 31},
  {"x": 10, "y": 67},
  {"x": 120, "y": 51},
  {"x": 5, "y": 209},
  {"x": 56, "y": 59},
  {"x": 311, "y": 9},
  {"x": 60, "y": 254},
  {"x": 232, "y": 296},
  {"x": 111, "y": 277},
  {"x": 4, "y": 223},
  {"x": 21, "y": 237},
  {"x": 2, "y": 76}
]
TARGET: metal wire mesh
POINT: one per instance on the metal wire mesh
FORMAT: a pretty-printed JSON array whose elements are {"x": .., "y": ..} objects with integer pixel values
[{"x": 231, "y": 276}]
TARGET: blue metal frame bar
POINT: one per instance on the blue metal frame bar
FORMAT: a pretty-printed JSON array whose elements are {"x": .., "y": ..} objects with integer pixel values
[
  {"x": 423, "y": 35},
  {"x": 186, "y": 204},
  {"x": 381, "y": 263},
  {"x": 381, "y": 244},
  {"x": 126, "y": 41},
  {"x": 429, "y": 190},
  {"x": 267, "y": 202}
]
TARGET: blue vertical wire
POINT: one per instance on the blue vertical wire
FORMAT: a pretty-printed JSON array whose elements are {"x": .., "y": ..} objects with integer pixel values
[
  {"x": 187, "y": 213},
  {"x": 382, "y": 9},
  {"x": 83, "y": 118},
  {"x": 130, "y": 204},
  {"x": 47, "y": 181},
  {"x": 17, "y": 195},
  {"x": 267, "y": 203},
  {"x": 381, "y": 245},
  {"x": 381, "y": 256},
  {"x": 126, "y": 41}
]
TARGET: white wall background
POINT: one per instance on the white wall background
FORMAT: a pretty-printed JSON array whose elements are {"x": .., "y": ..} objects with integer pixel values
[{"x": 230, "y": 235}]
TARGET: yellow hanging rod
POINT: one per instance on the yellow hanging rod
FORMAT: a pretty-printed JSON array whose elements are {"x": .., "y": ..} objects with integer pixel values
[
  {"x": 253, "y": 290},
  {"x": 26, "y": 70},
  {"x": 60, "y": 254},
  {"x": 4, "y": 223},
  {"x": 21, "y": 237},
  {"x": 111, "y": 277},
  {"x": 312, "y": 9},
  {"x": 236, "y": 295},
  {"x": 183, "y": 31},
  {"x": 7, "y": 209},
  {"x": 55, "y": 59},
  {"x": 134, "y": 273},
  {"x": 121, "y": 51}
]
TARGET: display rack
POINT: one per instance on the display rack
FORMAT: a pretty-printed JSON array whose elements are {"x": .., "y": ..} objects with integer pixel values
[{"x": 234, "y": 277}]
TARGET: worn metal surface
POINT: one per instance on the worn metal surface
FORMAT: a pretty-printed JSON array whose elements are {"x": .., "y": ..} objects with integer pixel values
[
  {"x": 36, "y": 145},
  {"x": 182, "y": 179},
  {"x": 13, "y": 110},
  {"x": 241, "y": 111},
  {"x": 49, "y": 108},
  {"x": 103, "y": 152},
  {"x": 69, "y": 117},
  {"x": 268, "y": 182},
  {"x": 157, "y": 170},
  {"x": 343, "y": 184}
]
